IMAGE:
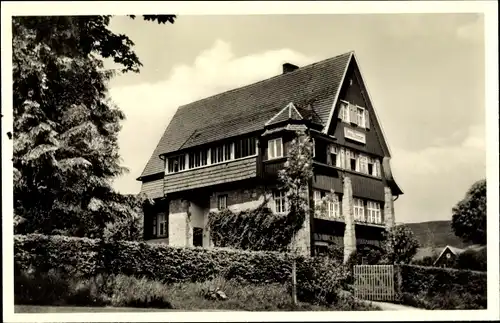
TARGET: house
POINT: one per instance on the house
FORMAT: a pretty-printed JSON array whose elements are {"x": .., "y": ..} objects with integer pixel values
[
  {"x": 448, "y": 257},
  {"x": 225, "y": 151}
]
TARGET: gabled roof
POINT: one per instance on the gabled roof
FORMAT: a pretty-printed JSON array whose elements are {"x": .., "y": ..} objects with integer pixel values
[
  {"x": 246, "y": 109},
  {"x": 454, "y": 250},
  {"x": 289, "y": 112}
]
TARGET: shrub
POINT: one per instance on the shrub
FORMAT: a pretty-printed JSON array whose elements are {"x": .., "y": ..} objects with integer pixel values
[
  {"x": 453, "y": 288},
  {"x": 472, "y": 260},
  {"x": 49, "y": 288},
  {"x": 322, "y": 282},
  {"x": 78, "y": 257}
]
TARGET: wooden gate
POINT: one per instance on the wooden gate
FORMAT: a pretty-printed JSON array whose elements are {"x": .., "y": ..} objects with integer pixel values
[{"x": 374, "y": 282}]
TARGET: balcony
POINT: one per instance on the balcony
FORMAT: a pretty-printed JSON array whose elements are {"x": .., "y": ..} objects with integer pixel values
[{"x": 230, "y": 171}]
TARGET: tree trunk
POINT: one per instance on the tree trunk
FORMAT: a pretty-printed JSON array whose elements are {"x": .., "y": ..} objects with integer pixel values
[{"x": 294, "y": 281}]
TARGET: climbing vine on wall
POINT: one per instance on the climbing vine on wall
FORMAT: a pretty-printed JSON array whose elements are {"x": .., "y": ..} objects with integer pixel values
[{"x": 260, "y": 228}]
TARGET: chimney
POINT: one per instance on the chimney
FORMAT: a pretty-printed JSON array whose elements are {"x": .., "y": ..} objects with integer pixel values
[{"x": 287, "y": 68}]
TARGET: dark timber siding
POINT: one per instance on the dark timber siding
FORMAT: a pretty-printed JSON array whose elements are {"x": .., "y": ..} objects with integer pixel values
[
  {"x": 211, "y": 175},
  {"x": 153, "y": 189},
  {"x": 366, "y": 187},
  {"x": 353, "y": 93}
]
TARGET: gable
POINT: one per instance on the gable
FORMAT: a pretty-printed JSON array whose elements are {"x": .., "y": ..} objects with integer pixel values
[{"x": 354, "y": 91}]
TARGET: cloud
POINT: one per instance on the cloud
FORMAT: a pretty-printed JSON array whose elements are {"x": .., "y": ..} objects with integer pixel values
[
  {"x": 150, "y": 106},
  {"x": 435, "y": 178}
]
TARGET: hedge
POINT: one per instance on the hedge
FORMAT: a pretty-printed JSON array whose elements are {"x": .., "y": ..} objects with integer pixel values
[
  {"x": 78, "y": 257},
  {"x": 442, "y": 283}
]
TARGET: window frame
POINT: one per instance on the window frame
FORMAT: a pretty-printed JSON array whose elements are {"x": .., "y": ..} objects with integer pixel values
[
  {"x": 157, "y": 225},
  {"x": 374, "y": 212},
  {"x": 283, "y": 203},
  {"x": 360, "y": 113},
  {"x": 361, "y": 215},
  {"x": 272, "y": 146},
  {"x": 221, "y": 197}
]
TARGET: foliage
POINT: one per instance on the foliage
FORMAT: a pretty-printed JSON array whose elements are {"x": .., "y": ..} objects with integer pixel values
[
  {"x": 128, "y": 291},
  {"x": 260, "y": 228},
  {"x": 469, "y": 215},
  {"x": 79, "y": 257},
  {"x": 319, "y": 279},
  {"x": 321, "y": 206},
  {"x": 366, "y": 255},
  {"x": 473, "y": 260},
  {"x": 432, "y": 283},
  {"x": 131, "y": 226},
  {"x": 400, "y": 245},
  {"x": 296, "y": 175},
  {"x": 426, "y": 261},
  {"x": 323, "y": 282},
  {"x": 65, "y": 126}
]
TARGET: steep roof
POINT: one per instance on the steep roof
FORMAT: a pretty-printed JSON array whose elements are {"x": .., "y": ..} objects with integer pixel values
[{"x": 248, "y": 108}]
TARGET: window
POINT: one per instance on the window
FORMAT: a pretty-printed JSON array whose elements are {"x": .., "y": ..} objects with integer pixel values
[
  {"x": 374, "y": 212},
  {"x": 198, "y": 237},
  {"x": 360, "y": 117},
  {"x": 176, "y": 164},
  {"x": 279, "y": 198},
  {"x": 333, "y": 208},
  {"x": 352, "y": 163},
  {"x": 359, "y": 210},
  {"x": 317, "y": 196},
  {"x": 363, "y": 164},
  {"x": 222, "y": 202},
  {"x": 344, "y": 111},
  {"x": 220, "y": 153},
  {"x": 245, "y": 147},
  {"x": 335, "y": 155},
  {"x": 320, "y": 248},
  {"x": 373, "y": 167},
  {"x": 160, "y": 225},
  {"x": 275, "y": 148}
]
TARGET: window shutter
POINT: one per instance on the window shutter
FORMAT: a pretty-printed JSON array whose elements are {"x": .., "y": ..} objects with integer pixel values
[
  {"x": 341, "y": 112},
  {"x": 377, "y": 168},
  {"x": 367, "y": 119},
  {"x": 342, "y": 157},
  {"x": 338, "y": 162}
]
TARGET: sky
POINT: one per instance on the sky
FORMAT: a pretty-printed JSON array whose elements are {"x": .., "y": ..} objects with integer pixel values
[{"x": 424, "y": 72}]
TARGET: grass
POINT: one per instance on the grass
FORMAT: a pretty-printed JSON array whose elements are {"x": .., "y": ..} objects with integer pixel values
[{"x": 126, "y": 293}]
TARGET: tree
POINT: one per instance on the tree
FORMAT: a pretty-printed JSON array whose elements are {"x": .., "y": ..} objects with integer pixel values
[
  {"x": 469, "y": 215},
  {"x": 65, "y": 125},
  {"x": 400, "y": 245},
  {"x": 295, "y": 178}
]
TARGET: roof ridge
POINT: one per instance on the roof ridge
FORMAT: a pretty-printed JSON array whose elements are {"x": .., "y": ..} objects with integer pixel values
[{"x": 265, "y": 80}]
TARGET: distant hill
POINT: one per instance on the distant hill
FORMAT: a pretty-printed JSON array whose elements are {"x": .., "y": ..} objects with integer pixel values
[{"x": 436, "y": 234}]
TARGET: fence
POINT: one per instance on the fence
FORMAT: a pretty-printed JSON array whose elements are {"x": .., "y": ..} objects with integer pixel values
[{"x": 374, "y": 282}]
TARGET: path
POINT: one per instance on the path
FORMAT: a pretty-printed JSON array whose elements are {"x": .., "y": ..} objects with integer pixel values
[{"x": 393, "y": 307}]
